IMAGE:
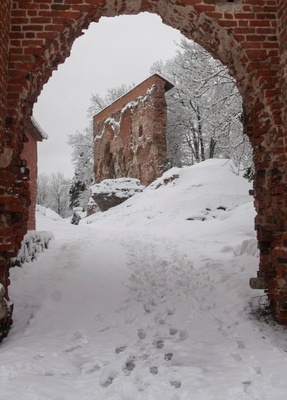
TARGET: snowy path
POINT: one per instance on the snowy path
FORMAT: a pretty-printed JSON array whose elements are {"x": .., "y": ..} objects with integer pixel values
[
  {"x": 140, "y": 323},
  {"x": 147, "y": 304}
]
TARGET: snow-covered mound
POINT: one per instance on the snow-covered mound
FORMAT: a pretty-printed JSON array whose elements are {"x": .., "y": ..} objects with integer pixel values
[
  {"x": 112, "y": 192},
  {"x": 149, "y": 300},
  {"x": 202, "y": 191},
  {"x": 47, "y": 212},
  {"x": 208, "y": 192},
  {"x": 117, "y": 187}
]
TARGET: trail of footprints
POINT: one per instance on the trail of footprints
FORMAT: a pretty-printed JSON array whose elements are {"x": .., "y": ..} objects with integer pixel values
[
  {"x": 149, "y": 350},
  {"x": 247, "y": 384},
  {"x": 150, "y": 353}
]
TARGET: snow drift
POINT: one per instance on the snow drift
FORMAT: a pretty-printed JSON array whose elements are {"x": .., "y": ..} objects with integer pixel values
[{"x": 147, "y": 301}]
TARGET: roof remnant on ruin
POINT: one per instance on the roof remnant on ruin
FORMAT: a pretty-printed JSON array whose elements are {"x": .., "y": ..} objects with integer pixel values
[{"x": 131, "y": 95}]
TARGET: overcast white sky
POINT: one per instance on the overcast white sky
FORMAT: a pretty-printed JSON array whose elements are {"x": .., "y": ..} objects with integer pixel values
[{"x": 112, "y": 52}]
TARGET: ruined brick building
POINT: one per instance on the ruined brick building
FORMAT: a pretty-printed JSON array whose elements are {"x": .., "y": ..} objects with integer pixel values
[
  {"x": 130, "y": 134},
  {"x": 34, "y": 134},
  {"x": 248, "y": 36}
]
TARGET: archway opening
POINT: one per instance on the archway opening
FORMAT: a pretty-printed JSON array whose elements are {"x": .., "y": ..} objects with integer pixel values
[
  {"x": 218, "y": 27},
  {"x": 107, "y": 56},
  {"x": 128, "y": 62}
]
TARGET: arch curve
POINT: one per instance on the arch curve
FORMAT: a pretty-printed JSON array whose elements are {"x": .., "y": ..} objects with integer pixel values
[{"x": 65, "y": 23}]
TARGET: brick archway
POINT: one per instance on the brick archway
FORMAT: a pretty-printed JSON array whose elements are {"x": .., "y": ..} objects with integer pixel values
[{"x": 250, "y": 39}]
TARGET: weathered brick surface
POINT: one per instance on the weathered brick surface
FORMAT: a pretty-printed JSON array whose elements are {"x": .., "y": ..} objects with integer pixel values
[
  {"x": 4, "y": 42},
  {"x": 130, "y": 134},
  {"x": 30, "y": 154},
  {"x": 6, "y": 154},
  {"x": 249, "y": 37}
]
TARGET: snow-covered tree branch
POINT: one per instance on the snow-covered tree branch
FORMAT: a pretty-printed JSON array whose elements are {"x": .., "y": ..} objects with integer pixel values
[{"x": 204, "y": 109}]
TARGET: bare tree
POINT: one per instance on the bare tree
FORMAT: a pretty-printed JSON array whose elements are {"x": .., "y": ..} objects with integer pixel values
[
  {"x": 204, "y": 108},
  {"x": 43, "y": 189},
  {"x": 98, "y": 103},
  {"x": 59, "y": 194},
  {"x": 53, "y": 192}
]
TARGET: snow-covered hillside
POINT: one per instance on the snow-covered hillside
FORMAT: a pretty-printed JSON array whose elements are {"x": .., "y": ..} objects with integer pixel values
[{"x": 148, "y": 301}]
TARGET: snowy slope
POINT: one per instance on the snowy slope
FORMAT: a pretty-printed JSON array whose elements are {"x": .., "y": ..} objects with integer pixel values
[{"x": 147, "y": 301}]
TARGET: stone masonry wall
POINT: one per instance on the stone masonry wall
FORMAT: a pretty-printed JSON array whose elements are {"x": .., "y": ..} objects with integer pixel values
[
  {"x": 4, "y": 42},
  {"x": 282, "y": 31},
  {"x": 5, "y": 158},
  {"x": 272, "y": 218},
  {"x": 29, "y": 153},
  {"x": 248, "y": 36},
  {"x": 130, "y": 134}
]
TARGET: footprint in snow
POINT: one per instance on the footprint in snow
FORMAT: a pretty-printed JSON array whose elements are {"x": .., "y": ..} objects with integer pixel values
[
  {"x": 129, "y": 365},
  {"x": 79, "y": 341},
  {"x": 258, "y": 370},
  {"x": 168, "y": 356},
  {"x": 236, "y": 357},
  {"x": 171, "y": 310},
  {"x": 90, "y": 368},
  {"x": 176, "y": 384},
  {"x": 77, "y": 336},
  {"x": 120, "y": 349},
  {"x": 159, "y": 343},
  {"x": 153, "y": 370},
  {"x": 160, "y": 319},
  {"x": 183, "y": 334},
  {"x": 107, "y": 382},
  {"x": 108, "y": 376},
  {"x": 149, "y": 306},
  {"x": 246, "y": 386},
  {"x": 141, "y": 334},
  {"x": 173, "y": 331},
  {"x": 240, "y": 344},
  {"x": 72, "y": 348}
]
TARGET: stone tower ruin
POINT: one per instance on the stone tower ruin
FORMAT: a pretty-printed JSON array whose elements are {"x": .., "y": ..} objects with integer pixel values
[{"x": 130, "y": 134}]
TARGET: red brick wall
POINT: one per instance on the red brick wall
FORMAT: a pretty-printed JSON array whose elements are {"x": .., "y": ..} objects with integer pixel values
[
  {"x": 136, "y": 92},
  {"x": 273, "y": 214},
  {"x": 29, "y": 154},
  {"x": 282, "y": 28},
  {"x": 130, "y": 134},
  {"x": 5, "y": 153},
  {"x": 248, "y": 36},
  {"x": 238, "y": 33},
  {"x": 4, "y": 40}
]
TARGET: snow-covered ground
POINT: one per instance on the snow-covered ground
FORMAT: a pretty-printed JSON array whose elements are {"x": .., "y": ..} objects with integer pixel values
[{"x": 148, "y": 301}]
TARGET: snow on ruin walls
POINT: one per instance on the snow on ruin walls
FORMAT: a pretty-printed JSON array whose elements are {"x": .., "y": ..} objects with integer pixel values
[{"x": 130, "y": 134}]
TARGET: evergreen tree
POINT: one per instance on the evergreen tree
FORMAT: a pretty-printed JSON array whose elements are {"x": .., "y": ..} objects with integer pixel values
[{"x": 76, "y": 191}]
